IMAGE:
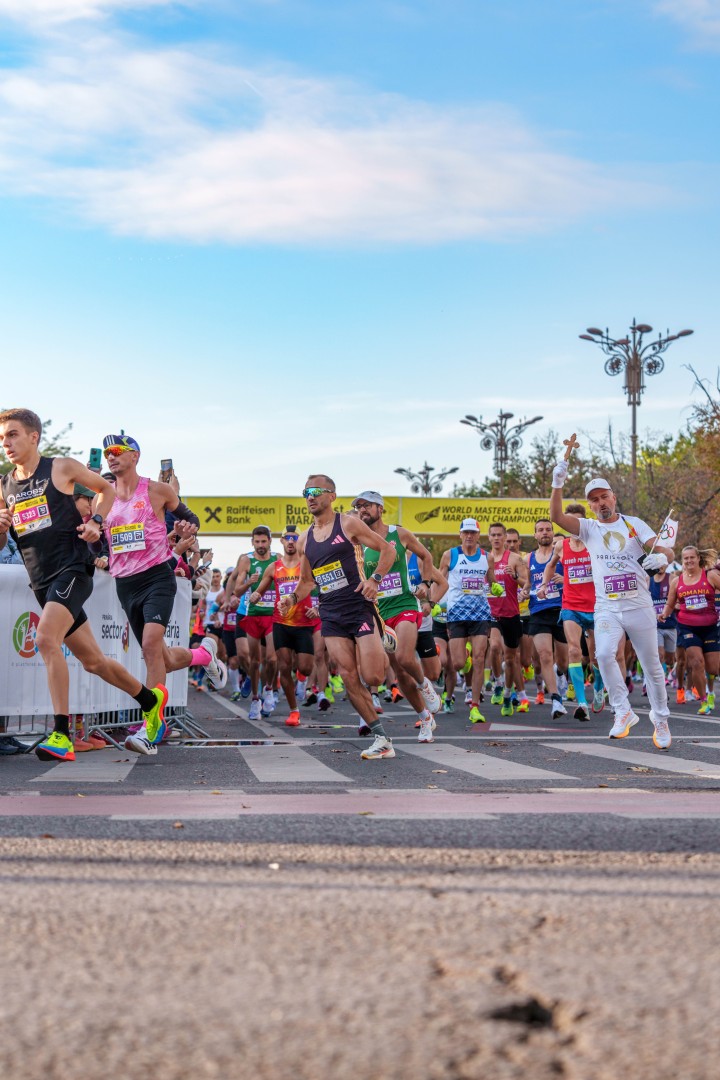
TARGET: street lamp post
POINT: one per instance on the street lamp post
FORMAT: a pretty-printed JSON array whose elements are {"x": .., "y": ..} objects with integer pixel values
[
  {"x": 636, "y": 359},
  {"x": 425, "y": 482},
  {"x": 498, "y": 437}
]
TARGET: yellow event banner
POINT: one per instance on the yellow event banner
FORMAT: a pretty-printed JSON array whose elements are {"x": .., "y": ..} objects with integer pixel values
[{"x": 238, "y": 515}]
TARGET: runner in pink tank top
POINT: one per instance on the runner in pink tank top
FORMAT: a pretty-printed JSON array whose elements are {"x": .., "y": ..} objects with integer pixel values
[
  {"x": 143, "y": 567},
  {"x": 506, "y": 571}
]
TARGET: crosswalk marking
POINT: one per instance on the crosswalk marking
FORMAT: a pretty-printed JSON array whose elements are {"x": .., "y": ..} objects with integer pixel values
[
  {"x": 657, "y": 760},
  {"x": 289, "y": 764},
  {"x": 96, "y": 767},
  {"x": 485, "y": 766}
]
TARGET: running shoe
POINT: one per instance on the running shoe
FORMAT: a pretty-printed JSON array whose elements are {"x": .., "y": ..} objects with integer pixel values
[
  {"x": 81, "y": 746},
  {"x": 449, "y": 704},
  {"x": 711, "y": 699},
  {"x": 529, "y": 673},
  {"x": 431, "y": 699},
  {"x": 476, "y": 717},
  {"x": 57, "y": 747},
  {"x": 622, "y": 725},
  {"x": 140, "y": 744},
  {"x": 363, "y": 730},
  {"x": 558, "y": 709},
  {"x": 467, "y": 666},
  {"x": 489, "y": 685},
  {"x": 215, "y": 671},
  {"x": 381, "y": 748},
  {"x": 236, "y": 696},
  {"x": 562, "y": 685},
  {"x": 598, "y": 701},
  {"x": 323, "y": 702},
  {"x": 246, "y": 687},
  {"x": 337, "y": 684},
  {"x": 329, "y": 694},
  {"x": 704, "y": 710},
  {"x": 310, "y": 699},
  {"x": 507, "y": 708},
  {"x": 695, "y": 694},
  {"x": 376, "y": 704},
  {"x": 468, "y": 697},
  {"x": 268, "y": 702},
  {"x": 389, "y": 640},
  {"x": 581, "y": 713},
  {"x": 569, "y": 693},
  {"x": 255, "y": 709},
  {"x": 680, "y": 696},
  {"x": 523, "y": 705},
  {"x": 97, "y": 742},
  {"x": 395, "y": 695},
  {"x": 427, "y": 726},
  {"x": 497, "y": 697},
  {"x": 300, "y": 690},
  {"x": 154, "y": 720},
  {"x": 661, "y": 735},
  {"x": 540, "y": 697},
  {"x": 293, "y": 719}
]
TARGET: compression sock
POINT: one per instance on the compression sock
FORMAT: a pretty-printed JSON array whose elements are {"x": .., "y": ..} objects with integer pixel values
[
  {"x": 62, "y": 723},
  {"x": 146, "y": 699},
  {"x": 376, "y": 727},
  {"x": 597, "y": 679},
  {"x": 578, "y": 681},
  {"x": 201, "y": 656}
]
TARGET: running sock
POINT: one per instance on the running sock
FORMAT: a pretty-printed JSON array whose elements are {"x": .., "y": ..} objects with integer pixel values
[
  {"x": 234, "y": 680},
  {"x": 300, "y": 677},
  {"x": 597, "y": 679},
  {"x": 201, "y": 656},
  {"x": 556, "y": 697},
  {"x": 62, "y": 723},
  {"x": 522, "y": 695},
  {"x": 146, "y": 699},
  {"x": 578, "y": 680},
  {"x": 376, "y": 727}
]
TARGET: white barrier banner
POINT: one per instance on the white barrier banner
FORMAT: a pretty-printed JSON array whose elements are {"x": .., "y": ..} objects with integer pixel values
[{"x": 23, "y": 680}]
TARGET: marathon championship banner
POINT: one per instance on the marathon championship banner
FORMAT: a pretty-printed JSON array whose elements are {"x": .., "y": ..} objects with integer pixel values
[
  {"x": 229, "y": 516},
  {"x": 23, "y": 682}
]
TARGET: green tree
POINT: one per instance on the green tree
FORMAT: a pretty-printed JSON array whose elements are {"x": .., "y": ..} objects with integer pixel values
[{"x": 52, "y": 444}]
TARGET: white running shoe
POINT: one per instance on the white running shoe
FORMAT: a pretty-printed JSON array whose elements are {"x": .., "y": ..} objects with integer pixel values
[
  {"x": 468, "y": 697},
  {"x": 255, "y": 709},
  {"x": 300, "y": 691},
  {"x": 216, "y": 671},
  {"x": 598, "y": 701},
  {"x": 431, "y": 699},
  {"x": 622, "y": 725},
  {"x": 557, "y": 709},
  {"x": 661, "y": 735},
  {"x": 268, "y": 701},
  {"x": 427, "y": 726},
  {"x": 381, "y": 748},
  {"x": 376, "y": 704},
  {"x": 581, "y": 713},
  {"x": 140, "y": 744}
]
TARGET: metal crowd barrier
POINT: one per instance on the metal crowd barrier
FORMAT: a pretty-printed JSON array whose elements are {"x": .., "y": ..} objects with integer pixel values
[{"x": 31, "y": 730}]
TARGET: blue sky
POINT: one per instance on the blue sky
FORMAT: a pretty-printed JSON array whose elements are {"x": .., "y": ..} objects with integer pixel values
[{"x": 274, "y": 236}]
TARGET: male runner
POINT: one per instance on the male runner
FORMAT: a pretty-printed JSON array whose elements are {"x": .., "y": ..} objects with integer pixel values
[
  {"x": 292, "y": 632},
  {"x": 331, "y": 558},
  {"x": 667, "y": 633},
  {"x": 38, "y": 508},
  {"x": 468, "y": 613},
  {"x": 399, "y": 607},
  {"x": 259, "y": 620},
  {"x": 505, "y": 570},
  {"x": 622, "y": 597},
  {"x": 526, "y": 645},
  {"x": 142, "y": 565},
  {"x": 576, "y": 614},
  {"x": 545, "y": 627}
]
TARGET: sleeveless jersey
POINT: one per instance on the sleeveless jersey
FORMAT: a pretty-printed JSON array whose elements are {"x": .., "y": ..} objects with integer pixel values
[
  {"x": 578, "y": 592},
  {"x": 505, "y": 606},
  {"x": 287, "y": 579},
  {"x": 552, "y": 594},
  {"x": 266, "y": 603},
  {"x": 394, "y": 594},
  {"x": 415, "y": 579},
  {"x": 467, "y": 593},
  {"x": 137, "y": 540},
  {"x": 336, "y": 566},
  {"x": 696, "y": 603},
  {"x": 659, "y": 592},
  {"x": 44, "y": 526},
  {"x": 212, "y": 608}
]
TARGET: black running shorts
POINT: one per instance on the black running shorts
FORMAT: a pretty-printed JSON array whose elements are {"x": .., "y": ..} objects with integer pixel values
[
  {"x": 426, "y": 647},
  {"x": 546, "y": 622},
  {"x": 147, "y": 597},
  {"x": 297, "y": 638},
  {"x": 71, "y": 589}
]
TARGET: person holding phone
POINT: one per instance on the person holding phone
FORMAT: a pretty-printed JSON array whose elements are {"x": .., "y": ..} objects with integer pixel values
[{"x": 140, "y": 562}]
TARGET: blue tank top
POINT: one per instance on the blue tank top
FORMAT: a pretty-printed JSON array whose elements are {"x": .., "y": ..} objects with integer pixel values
[
  {"x": 553, "y": 596},
  {"x": 414, "y": 575},
  {"x": 659, "y": 593}
]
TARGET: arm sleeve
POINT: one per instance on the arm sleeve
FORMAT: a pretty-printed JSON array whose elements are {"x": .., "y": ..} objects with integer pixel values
[{"x": 183, "y": 513}]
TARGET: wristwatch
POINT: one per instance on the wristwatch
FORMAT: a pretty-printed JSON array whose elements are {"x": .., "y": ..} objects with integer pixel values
[
  {"x": 97, "y": 519},
  {"x": 377, "y": 578}
]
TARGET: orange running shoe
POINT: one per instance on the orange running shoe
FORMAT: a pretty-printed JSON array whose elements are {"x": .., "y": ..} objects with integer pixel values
[
  {"x": 396, "y": 695},
  {"x": 293, "y": 719},
  {"x": 81, "y": 745},
  {"x": 524, "y": 705},
  {"x": 695, "y": 694},
  {"x": 680, "y": 696},
  {"x": 540, "y": 697}
]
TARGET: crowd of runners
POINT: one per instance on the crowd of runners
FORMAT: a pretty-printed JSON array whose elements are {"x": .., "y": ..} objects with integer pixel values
[{"x": 356, "y": 605}]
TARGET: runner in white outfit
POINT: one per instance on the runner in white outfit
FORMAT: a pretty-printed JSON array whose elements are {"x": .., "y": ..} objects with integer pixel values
[{"x": 623, "y": 603}]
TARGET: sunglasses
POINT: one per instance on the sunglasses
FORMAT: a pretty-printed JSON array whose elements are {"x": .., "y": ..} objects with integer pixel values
[
  {"x": 312, "y": 493},
  {"x": 115, "y": 450},
  {"x": 291, "y": 536}
]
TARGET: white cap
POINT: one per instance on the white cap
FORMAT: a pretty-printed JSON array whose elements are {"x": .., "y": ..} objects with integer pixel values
[
  {"x": 596, "y": 485},
  {"x": 470, "y": 525},
  {"x": 370, "y": 497}
]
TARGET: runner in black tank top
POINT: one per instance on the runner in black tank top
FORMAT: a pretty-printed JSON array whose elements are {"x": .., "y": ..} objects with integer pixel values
[
  {"x": 37, "y": 507},
  {"x": 329, "y": 560}
]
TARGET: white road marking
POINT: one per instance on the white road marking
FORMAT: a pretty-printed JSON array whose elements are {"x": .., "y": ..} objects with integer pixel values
[
  {"x": 288, "y": 765},
  {"x": 92, "y": 767},
  {"x": 664, "y": 762},
  {"x": 485, "y": 766}
]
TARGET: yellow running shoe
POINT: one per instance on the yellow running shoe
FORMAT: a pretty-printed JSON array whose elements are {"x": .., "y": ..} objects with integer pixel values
[
  {"x": 57, "y": 747},
  {"x": 154, "y": 720},
  {"x": 476, "y": 717}
]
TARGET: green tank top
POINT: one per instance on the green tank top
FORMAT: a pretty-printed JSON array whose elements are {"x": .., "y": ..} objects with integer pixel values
[
  {"x": 394, "y": 593},
  {"x": 266, "y": 604}
]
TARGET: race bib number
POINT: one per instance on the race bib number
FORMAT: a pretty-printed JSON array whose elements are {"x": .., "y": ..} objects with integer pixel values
[
  {"x": 231, "y": 620},
  {"x": 286, "y": 588},
  {"x": 695, "y": 603},
  {"x": 581, "y": 574},
  {"x": 391, "y": 585},
  {"x": 472, "y": 583},
  {"x": 127, "y": 538},
  {"x": 267, "y": 600},
  {"x": 31, "y": 515},
  {"x": 620, "y": 587},
  {"x": 330, "y": 577},
  {"x": 659, "y": 606}
]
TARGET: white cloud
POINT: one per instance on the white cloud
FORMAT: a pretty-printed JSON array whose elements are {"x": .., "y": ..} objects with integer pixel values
[
  {"x": 700, "y": 17},
  {"x": 59, "y": 11},
  {"x": 168, "y": 144}
]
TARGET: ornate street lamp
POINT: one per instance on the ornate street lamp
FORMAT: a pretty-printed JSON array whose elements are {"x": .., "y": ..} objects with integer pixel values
[
  {"x": 636, "y": 359},
  {"x": 424, "y": 482},
  {"x": 498, "y": 437}
]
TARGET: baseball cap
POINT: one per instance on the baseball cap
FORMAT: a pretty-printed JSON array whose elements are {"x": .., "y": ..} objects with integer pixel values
[
  {"x": 125, "y": 441},
  {"x": 470, "y": 525},
  {"x": 80, "y": 489},
  {"x": 597, "y": 484},
  {"x": 369, "y": 496}
]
